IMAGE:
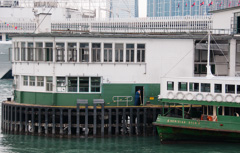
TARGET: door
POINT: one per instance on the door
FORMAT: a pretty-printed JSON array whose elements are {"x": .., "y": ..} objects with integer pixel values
[{"x": 141, "y": 93}]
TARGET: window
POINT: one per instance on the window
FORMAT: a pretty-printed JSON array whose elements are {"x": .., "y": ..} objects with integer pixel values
[
  {"x": 49, "y": 52},
  {"x": 39, "y": 52},
  {"x": 23, "y": 51},
  {"x": 170, "y": 85},
  {"x": 218, "y": 88},
  {"x": 118, "y": 52},
  {"x": 130, "y": 53},
  {"x": 40, "y": 81},
  {"x": 107, "y": 52},
  {"x": 230, "y": 88},
  {"x": 84, "y": 84},
  {"x": 194, "y": 87},
  {"x": 95, "y": 84},
  {"x": 60, "y": 52},
  {"x": 205, "y": 87},
  {"x": 140, "y": 52},
  {"x": 84, "y": 52},
  {"x": 32, "y": 81},
  {"x": 49, "y": 83},
  {"x": 61, "y": 84},
  {"x": 16, "y": 51},
  {"x": 182, "y": 86},
  {"x": 72, "y": 52},
  {"x": 238, "y": 89},
  {"x": 96, "y": 52},
  {"x": 25, "y": 80},
  {"x": 30, "y": 51},
  {"x": 72, "y": 84}
]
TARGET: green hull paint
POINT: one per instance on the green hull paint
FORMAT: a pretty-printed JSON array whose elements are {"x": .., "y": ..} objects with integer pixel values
[
  {"x": 108, "y": 91},
  {"x": 168, "y": 134},
  {"x": 173, "y": 129}
]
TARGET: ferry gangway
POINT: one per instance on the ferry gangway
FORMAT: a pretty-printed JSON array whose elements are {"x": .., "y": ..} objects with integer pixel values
[{"x": 126, "y": 99}]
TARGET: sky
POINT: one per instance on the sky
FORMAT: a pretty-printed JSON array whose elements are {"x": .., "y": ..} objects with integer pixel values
[{"x": 142, "y": 8}]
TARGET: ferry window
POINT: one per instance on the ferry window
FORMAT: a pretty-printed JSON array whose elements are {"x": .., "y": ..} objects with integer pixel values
[
  {"x": 231, "y": 111},
  {"x": 205, "y": 87},
  {"x": 49, "y": 52},
  {"x": 230, "y": 88},
  {"x": 60, "y": 52},
  {"x": 84, "y": 52},
  {"x": 61, "y": 84},
  {"x": 32, "y": 81},
  {"x": 72, "y": 52},
  {"x": 203, "y": 56},
  {"x": 23, "y": 51},
  {"x": 84, "y": 84},
  {"x": 96, "y": 52},
  {"x": 170, "y": 85},
  {"x": 118, "y": 52},
  {"x": 40, "y": 81},
  {"x": 107, "y": 52},
  {"x": 72, "y": 84},
  {"x": 95, "y": 84},
  {"x": 130, "y": 53},
  {"x": 140, "y": 52},
  {"x": 49, "y": 83},
  {"x": 194, "y": 87},
  {"x": 16, "y": 51},
  {"x": 39, "y": 51},
  {"x": 218, "y": 88},
  {"x": 182, "y": 86},
  {"x": 197, "y": 57},
  {"x": 30, "y": 51},
  {"x": 238, "y": 89},
  {"x": 25, "y": 80}
]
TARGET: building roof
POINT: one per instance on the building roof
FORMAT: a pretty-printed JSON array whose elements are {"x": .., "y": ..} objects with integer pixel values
[{"x": 225, "y": 9}]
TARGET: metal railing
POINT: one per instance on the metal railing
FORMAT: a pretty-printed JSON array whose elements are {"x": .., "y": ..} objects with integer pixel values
[{"x": 126, "y": 99}]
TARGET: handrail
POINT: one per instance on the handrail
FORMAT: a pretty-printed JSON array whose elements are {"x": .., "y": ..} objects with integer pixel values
[{"x": 118, "y": 99}]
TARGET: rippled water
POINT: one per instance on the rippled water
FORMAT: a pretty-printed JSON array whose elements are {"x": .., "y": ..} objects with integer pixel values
[{"x": 40, "y": 144}]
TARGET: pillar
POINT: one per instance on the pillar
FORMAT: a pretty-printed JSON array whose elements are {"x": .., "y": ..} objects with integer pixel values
[{"x": 232, "y": 58}]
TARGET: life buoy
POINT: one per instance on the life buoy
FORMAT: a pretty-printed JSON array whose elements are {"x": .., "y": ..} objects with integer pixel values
[
  {"x": 229, "y": 98},
  {"x": 209, "y": 97},
  {"x": 218, "y": 98},
  {"x": 189, "y": 96},
  {"x": 209, "y": 118},
  {"x": 214, "y": 118},
  {"x": 199, "y": 96},
  {"x": 180, "y": 95},
  {"x": 170, "y": 95},
  {"x": 237, "y": 99}
]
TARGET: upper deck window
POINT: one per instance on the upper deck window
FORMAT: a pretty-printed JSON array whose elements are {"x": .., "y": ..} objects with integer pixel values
[
  {"x": 61, "y": 84},
  {"x": 32, "y": 81},
  {"x": 23, "y": 51},
  {"x": 25, "y": 80},
  {"x": 40, "y": 81},
  {"x": 238, "y": 89},
  {"x": 17, "y": 51},
  {"x": 84, "y": 52},
  {"x": 205, "y": 87},
  {"x": 107, "y": 52},
  {"x": 130, "y": 53},
  {"x": 39, "y": 51},
  {"x": 230, "y": 88},
  {"x": 30, "y": 53},
  {"x": 218, "y": 88},
  {"x": 194, "y": 87},
  {"x": 72, "y": 52},
  {"x": 95, "y": 84},
  {"x": 96, "y": 52},
  {"x": 49, "y": 83},
  {"x": 182, "y": 86},
  {"x": 84, "y": 84},
  {"x": 170, "y": 85},
  {"x": 140, "y": 52},
  {"x": 72, "y": 84},
  {"x": 49, "y": 52},
  {"x": 118, "y": 52},
  {"x": 60, "y": 52}
]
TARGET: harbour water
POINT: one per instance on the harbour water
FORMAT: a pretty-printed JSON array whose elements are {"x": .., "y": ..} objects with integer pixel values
[{"x": 40, "y": 144}]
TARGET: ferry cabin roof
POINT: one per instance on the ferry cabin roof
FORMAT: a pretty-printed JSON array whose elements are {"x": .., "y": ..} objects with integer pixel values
[{"x": 92, "y": 66}]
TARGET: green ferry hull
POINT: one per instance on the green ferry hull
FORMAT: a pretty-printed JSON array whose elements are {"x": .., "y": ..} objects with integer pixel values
[{"x": 168, "y": 133}]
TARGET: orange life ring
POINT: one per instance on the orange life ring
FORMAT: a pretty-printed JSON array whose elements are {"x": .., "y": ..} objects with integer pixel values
[{"x": 209, "y": 118}]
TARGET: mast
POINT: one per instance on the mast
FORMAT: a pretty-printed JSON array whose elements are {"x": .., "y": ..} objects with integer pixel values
[{"x": 209, "y": 72}]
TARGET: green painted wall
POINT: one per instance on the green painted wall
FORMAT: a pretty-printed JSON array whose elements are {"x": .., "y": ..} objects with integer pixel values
[{"x": 108, "y": 91}]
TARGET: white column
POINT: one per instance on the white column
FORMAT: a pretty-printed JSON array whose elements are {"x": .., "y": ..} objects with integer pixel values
[
  {"x": 232, "y": 58},
  {"x": 65, "y": 52},
  {"x": 4, "y": 37}
]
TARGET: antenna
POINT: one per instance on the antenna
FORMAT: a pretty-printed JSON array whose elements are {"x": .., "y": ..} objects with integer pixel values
[{"x": 209, "y": 72}]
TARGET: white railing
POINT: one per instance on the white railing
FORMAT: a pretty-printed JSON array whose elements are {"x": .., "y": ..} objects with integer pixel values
[{"x": 124, "y": 25}]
